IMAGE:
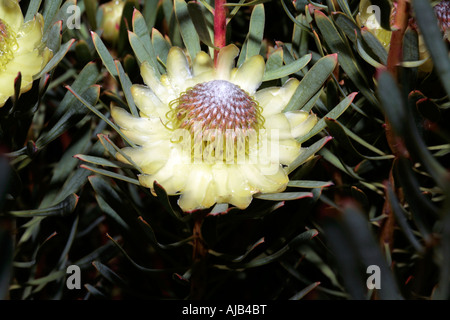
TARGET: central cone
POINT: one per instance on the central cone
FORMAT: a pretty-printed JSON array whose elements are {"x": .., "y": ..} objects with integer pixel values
[{"x": 216, "y": 104}]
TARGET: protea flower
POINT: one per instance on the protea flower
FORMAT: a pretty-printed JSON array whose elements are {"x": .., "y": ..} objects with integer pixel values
[
  {"x": 206, "y": 133},
  {"x": 21, "y": 49}
]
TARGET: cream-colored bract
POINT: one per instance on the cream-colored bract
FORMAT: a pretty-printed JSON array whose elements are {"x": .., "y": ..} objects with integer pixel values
[
  {"x": 201, "y": 184},
  {"x": 21, "y": 49}
]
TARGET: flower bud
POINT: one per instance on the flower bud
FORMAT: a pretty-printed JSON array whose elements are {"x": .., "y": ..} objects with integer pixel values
[{"x": 112, "y": 15}]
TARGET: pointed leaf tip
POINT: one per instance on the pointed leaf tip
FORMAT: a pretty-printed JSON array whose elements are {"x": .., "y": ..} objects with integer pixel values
[
  {"x": 334, "y": 56},
  {"x": 353, "y": 95}
]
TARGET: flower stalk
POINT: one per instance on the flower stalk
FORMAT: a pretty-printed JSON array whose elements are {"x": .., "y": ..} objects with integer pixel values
[
  {"x": 199, "y": 256},
  {"x": 200, "y": 252},
  {"x": 394, "y": 60},
  {"x": 220, "y": 25},
  {"x": 400, "y": 25},
  {"x": 396, "y": 144}
]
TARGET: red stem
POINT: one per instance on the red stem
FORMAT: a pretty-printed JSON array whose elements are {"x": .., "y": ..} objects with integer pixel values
[
  {"x": 395, "y": 50},
  {"x": 395, "y": 57},
  {"x": 199, "y": 256},
  {"x": 220, "y": 25}
]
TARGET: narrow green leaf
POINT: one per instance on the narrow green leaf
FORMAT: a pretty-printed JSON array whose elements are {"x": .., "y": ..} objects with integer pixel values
[
  {"x": 67, "y": 10},
  {"x": 84, "y": 56},
  {"x": 286, "y": 4},
  {"x": 152, "y": 235},
  {"x": 104, "y": 54},
  {"x": 421, "y": 208},
  {"x": 156, "y": 272},
  {"x": 230, "y": 15},
  {"x": 246, "y": 4},
  {"x": 413, "y": 64},
  {"x": 347, "y": 259},
  {"x": 56, "y": 59},
  {"x": 110, "y": 275},
  {"x": 300, "y": 295},
  {"x": 50, "y": 10},
  {"x": 345, "y": 55},
  {"x": 338, "y": 163},
  {"x": 307, "y": 154},
  {"x": 294, "y": 243},
  {"x": 100, "y": 115},
  {"x": 404, "y": 126},
  {"x": 283, "y": 196},
  {"x": 91, "y": 12},
  {"x": 103, "y": 253},
  {"x": 402, "y": 220},
  {"x": 375, "y": 45},
  {"x": 288, "y": 69},
  {"x": 274, "y": 61},
  {"x": 98, "y": 161},
  {"x": 333, "y": 114},
  {"x": 65, "y": 252},
  {"x": 104, "y": 194},
  {"x": 252, "y": 44},
  {"x": 443, "y": 288},
  {"x": 340, "y": 135},
  {"x": 366, "y": 56},
  {"x": 312, "y": 82},
  {"x": 313, "y": 101},
  {"x": 94, "y": 292},
  {"x": 309, "y": 184},
  {"x": 66, "y": 166},
  {"x": 142, "y": 32},
  {"x": 126, "y": 87},
  {"x": 343, "y": 4},
  {"x": 236, "y": 258},
  {"x": 139, "y": 49},
  {"x": 46, "y": 279},
  {"x": 200, "y": 23},
  {"x": 127, "y": 16},
  {"x": 162, "y": 47},
  {"x": 113, "y": 149},
  {"x": 347, "y": 24},
  {"x": 32, "y": 10},
  {"x": 76, "y": 179},
  {"x": 187, "y": 28},
  {"x": 70, "y": 118},
  {"x": 86, "y": 78},
  {"x": 150, "y": 12},
  {"x": 111, "y": 174},
  {"x": 355, "y": 225},
  {"x": 63, "y": 208},
  {"x": 164, "y": 199}
]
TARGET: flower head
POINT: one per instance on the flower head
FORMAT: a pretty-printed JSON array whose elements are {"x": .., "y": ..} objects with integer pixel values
[
  {"x": 21, "y": 48},
  {"x": 206, "y": 133}
]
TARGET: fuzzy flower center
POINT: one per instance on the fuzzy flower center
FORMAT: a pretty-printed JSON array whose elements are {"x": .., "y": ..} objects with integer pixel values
[
  {"x": 442, "y": 10},
  {"x": 221, "y": 118},
  {"x": 217, "y": 104},
  {"x": 8, "y": 44}
]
